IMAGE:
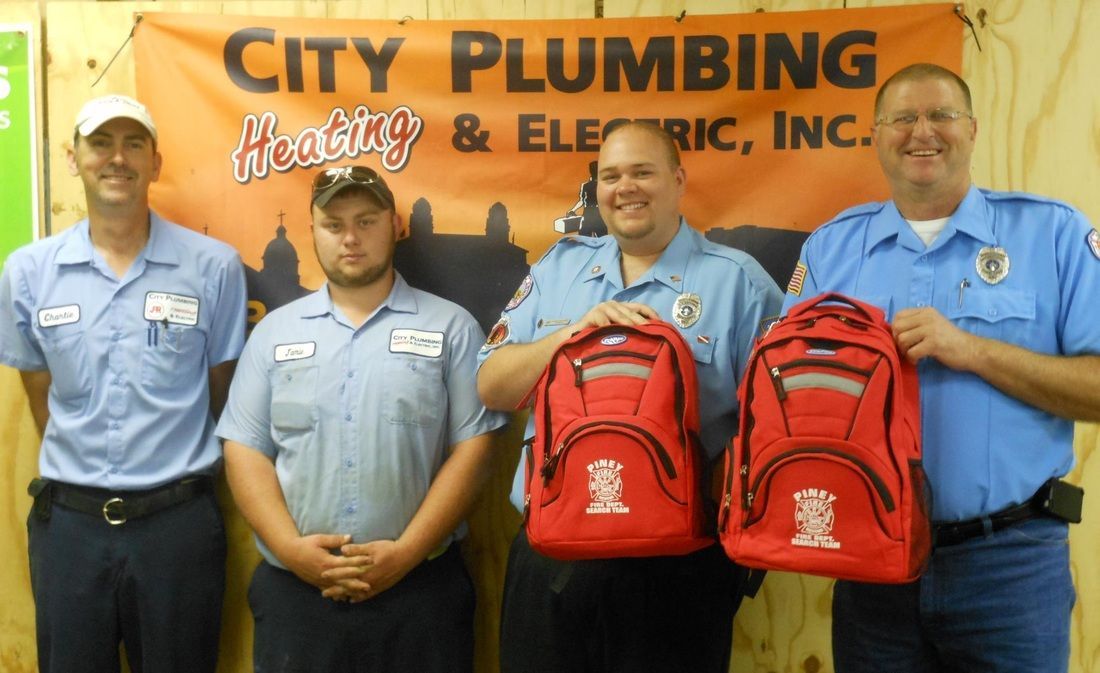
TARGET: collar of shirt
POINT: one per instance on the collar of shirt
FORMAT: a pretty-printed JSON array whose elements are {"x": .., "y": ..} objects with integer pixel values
[
  {"x": 159, "y": 249},
  {"x": 969, "y": 218},
  {"x": 400, "y": 300},
  {"x": 669, "y": 269}
]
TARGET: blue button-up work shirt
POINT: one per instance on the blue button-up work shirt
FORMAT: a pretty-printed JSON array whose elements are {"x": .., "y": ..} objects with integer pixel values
[
  {"x": 983, "y": 450},
  {"x": 735, "y": 294},
  {"x": 128, "y": 358},
  {"x": 358, "y": 420}
]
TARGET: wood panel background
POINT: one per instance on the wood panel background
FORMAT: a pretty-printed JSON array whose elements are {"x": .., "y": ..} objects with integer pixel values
[{"x": 1034, "y": 87}]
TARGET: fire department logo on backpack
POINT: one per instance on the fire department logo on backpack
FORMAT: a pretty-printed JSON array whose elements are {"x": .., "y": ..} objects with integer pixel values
[
  {"x": 814, "y": 517},
  {"x": 605, "y": 488}
]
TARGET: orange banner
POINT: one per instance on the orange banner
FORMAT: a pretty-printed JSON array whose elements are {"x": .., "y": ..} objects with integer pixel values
[{"x": 485, "y": 129}]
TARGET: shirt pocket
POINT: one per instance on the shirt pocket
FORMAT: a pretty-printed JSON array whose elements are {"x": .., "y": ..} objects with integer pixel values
[
  {"x": 998, "y": 313},
  {"x": 171, "y": 353},
  {"x": 414, "y": 390},
  {"x": 67, "y": 359},
  {"x": 294, "y": 399}
]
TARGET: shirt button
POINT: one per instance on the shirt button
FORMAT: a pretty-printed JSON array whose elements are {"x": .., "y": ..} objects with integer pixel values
[
  {"x": 347, "y": 417},
  {"x": 349, "y": 463},
  {"x": 350, "y": 509},
  {"x": 920, "y": 304},
  {"x": 117, "y": 382},
  {"x": 992, "y": 311},
  {"x": 351, "y": 374},
  {"x": 116, "y": 336}
]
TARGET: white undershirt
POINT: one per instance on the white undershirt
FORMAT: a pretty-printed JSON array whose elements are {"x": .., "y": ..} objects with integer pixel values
[{"x": 928, "y": 230}]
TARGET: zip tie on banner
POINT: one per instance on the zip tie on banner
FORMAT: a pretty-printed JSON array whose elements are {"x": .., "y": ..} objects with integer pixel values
[
  {"x": 960, "y": 12},
  {"x": 683, "y": 13},
  {"x": 137, "y": 20},
  {"x": 405, "y": 19}
]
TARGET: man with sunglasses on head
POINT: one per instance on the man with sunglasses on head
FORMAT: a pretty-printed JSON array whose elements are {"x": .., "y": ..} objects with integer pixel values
[
  {"x": 125, "y": 329},
  {"x": 992, "y": 294},
  {"x": 355, "y": 445}
]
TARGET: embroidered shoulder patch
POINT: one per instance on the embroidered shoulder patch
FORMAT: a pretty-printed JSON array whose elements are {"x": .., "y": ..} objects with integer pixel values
[
  {"x": 521, "y": 293},
  {"x": 797, "y": 278},
  {"x": 498, "y": 335}
]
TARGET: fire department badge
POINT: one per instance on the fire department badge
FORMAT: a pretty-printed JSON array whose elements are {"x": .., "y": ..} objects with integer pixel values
[
  {"x": 1094, "y": 242},
  {"x": 814, "y": 518},
  {"x": 498, "y": 335},
  {"x": 992, "y": 264},
  {"x": 687, "y": 309},
  {"x": 605, "y": 488}
]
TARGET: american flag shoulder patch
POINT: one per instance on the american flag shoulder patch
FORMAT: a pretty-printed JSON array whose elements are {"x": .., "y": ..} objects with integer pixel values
[{"x": 797, "y": 278}]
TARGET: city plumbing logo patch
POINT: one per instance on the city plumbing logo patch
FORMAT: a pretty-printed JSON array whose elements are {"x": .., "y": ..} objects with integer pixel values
[
  {"x": 814, "y": 518},
  {"x": 605, "y": 488}
]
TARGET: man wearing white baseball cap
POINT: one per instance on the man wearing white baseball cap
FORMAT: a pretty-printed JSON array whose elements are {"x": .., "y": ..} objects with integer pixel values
[
  {"x": 125, "y": 329},
  {"x": 99, "y": 111}
]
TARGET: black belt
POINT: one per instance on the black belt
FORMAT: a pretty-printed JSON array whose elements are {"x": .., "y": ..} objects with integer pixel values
[
  {"x": 116, "y": 507},
  {"x": 947, "y": 534}
]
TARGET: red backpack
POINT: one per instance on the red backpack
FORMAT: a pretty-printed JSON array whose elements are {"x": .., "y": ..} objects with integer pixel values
[
  {"x": 614, "y": 467},
  {"x": 825, "y": 475}
]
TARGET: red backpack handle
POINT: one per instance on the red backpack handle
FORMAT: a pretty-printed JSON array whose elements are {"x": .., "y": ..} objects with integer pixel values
[{"x": 872, "y": 313}]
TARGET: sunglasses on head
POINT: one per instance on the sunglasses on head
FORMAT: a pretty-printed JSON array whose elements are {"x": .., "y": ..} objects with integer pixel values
[{"x": 357, "y": 174}]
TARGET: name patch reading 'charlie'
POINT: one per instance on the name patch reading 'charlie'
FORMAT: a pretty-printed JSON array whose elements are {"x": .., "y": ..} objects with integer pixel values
[
  {"x": 59, "y": 315},
  {"x": 416, "y": 342}
]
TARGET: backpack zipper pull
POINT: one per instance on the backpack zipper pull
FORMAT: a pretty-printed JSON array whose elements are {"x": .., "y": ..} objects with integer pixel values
[
  {"x": 577, "y": 372},
  {"x": 550, "y": 465},
  {"x": 727, "y": 500},
  {"x": 777, "y": 381}
]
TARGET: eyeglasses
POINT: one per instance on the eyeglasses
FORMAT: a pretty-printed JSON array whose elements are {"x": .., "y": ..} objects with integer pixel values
[
  {"x": 357, "y": 174},
  {"x": 907, "y": 119}
]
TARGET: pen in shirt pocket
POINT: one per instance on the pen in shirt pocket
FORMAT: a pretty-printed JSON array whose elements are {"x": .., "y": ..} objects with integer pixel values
[
  {"x": 963, "y": 284},
  {"x": 152, "y": 336}
]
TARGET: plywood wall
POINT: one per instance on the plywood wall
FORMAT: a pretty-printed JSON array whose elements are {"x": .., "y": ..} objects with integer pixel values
[{"x": 1034, "y": 87}]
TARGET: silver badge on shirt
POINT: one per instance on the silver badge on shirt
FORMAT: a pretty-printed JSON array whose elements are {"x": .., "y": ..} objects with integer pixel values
[
  {"x": 992, "y": 264},
  {"x": 687, "y": 309}
]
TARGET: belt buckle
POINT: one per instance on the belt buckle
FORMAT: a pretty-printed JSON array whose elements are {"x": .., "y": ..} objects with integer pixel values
[{"x": 121, "y": 516}]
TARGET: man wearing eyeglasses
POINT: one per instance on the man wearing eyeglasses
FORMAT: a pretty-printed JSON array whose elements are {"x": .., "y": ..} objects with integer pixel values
[
  {"x": 355, "y": 445},
  {"x": 993, "y": 295},
  {"x": 125, "y": 328}
]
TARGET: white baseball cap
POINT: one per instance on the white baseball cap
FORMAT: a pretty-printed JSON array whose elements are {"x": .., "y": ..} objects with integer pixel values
[{"x": 99, "y": 111}]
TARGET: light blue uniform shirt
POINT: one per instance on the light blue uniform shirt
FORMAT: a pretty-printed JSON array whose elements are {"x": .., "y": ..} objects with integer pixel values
[
  {"x": 358, "y": 421},
  {"x": 983, "y": 450},
  {"x": 734, "y": 290},
  {"x": 129, "y": 399}
]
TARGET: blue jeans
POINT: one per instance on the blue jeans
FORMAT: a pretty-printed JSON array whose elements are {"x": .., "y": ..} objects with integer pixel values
[{"x": 999, "y": 603}]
